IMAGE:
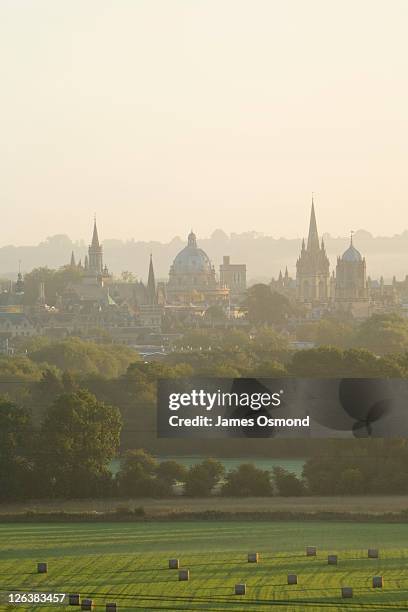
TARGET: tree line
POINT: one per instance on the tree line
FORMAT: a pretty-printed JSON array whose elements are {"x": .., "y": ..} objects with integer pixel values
[{"x": 69, "y": 454}]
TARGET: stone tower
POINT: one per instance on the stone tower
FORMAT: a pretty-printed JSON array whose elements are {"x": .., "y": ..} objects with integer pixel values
[
  {"x": 313, "y": 268},
  {"x": 151, "y": 284},
  {"x": 351, "y": 292},
  {"x": 95, "y": 259}
]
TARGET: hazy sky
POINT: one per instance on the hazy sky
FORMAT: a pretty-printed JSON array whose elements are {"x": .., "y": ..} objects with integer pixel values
[{"x": 165, "y": 114}]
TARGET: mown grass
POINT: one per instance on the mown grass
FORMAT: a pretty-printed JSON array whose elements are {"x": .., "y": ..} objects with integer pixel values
[{"x": 127, "y": 563}]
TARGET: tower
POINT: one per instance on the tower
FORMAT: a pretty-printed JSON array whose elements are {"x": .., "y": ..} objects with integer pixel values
[
  {"x": 151, "y": 313},
  {"x": 151, "y": 284},
  {"x": 19, "y": 286},
  {"x": 313, "y": 267},
  {"x": 95, "y": 253},
  {"x": 351, "y": 291}
]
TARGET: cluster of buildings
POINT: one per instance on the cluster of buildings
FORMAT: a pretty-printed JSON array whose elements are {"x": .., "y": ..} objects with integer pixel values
[
  {"x": 346, "y": 290},
  {"x": 96, "y": 305}
]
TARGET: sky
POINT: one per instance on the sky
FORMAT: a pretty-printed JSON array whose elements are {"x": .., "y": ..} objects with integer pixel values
[{"x": 162, "y": 115}]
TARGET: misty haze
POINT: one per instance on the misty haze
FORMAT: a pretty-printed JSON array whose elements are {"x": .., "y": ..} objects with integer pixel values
[{"x": 264, "y": 255}]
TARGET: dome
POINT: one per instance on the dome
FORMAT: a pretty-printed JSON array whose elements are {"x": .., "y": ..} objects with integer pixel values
[
  {"x": 191, "y": 259},
  {"x": 352, "y": 255}
]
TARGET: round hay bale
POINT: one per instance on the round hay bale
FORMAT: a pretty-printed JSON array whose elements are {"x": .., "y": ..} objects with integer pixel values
[
  {"x": 372, "y": 553},
  {"x": 332, "y": 560},
  {"x": 111, "y": 607},
  {"x": 253, "y": 557},
  {"x": 240, "y": 589},
  {"x": 87, "y": 604},
  {"x": 378, "y": 582},
  {"x": 74, "y": 599},
  {"x": 311, "y": 551},
  {"x": 292, "y": 579},
  {"x": 42, "y": 568},
  {"x": 184, "y": 574},
  {"x": 174, "y": 563},
  {"x": 346, "y": 592}
]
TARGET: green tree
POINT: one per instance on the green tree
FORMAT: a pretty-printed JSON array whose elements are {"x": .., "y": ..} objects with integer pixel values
[
  {"x": 383, "y": 333},
  {"x": 170, "y": 472},
  {"x": 15, "y": 439},
  {"x": 137, "y": 474},
  {"x": 351, "y": 482},
  {"x": 331, "y": 362},
  {"x": 55, "y": 281},
  {"x": 247, "y": 481},
  {"x": 266, "y": 307},
  {"x": 78, "y": 439},
  {"x": 85, "y": 357},
  {"x": 268, "y": 345},
  {"x": 326, "y": 332},
  {"x": 202, "y": 477},
  {"x": 287, "y": 483}
]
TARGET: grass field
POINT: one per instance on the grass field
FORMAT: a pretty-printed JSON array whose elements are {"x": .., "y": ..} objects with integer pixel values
[{"x": 127, "y": 563}]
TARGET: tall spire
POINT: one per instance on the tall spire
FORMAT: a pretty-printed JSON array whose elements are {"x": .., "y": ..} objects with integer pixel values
[
  {"x": 72, "y": 264},
  {"x": 313, "y": 238},
  {"x": 95, "y": 238},
  {"x": 95, "y": 253},
  {"x": 151, "y": 283}
]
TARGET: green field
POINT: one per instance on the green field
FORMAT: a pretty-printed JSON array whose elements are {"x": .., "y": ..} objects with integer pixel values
[{"x": 127, "y": 563}]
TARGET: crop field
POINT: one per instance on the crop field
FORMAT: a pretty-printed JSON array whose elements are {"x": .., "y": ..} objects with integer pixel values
[{"x": 127, "y": 563}]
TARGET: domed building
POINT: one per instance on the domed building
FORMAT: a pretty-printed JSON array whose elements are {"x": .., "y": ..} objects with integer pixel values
[
  {"x": 192, "y": 277},
  {"x": 351, "y": 292}
]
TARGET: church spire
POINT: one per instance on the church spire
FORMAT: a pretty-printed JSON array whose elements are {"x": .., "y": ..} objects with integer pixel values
[
  {"x": 72, "y": 264},
  {"x": 151, "y": 283},
  {"x": 95, "y": 253},
  {"x": 313, "y": 238},
  {"x": 95, "y": 238}
]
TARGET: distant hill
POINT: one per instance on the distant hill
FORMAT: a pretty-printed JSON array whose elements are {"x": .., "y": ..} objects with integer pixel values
[{"x": 264, "y": 255}]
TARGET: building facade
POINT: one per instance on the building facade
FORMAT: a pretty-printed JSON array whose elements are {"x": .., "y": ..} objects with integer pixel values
[
  {"x": 233, "y": 276},
  {"x": 351, "y": 289}
]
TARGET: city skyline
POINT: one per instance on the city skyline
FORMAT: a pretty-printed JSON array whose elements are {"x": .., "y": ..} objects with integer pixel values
[{"x": 264, "y": 255}]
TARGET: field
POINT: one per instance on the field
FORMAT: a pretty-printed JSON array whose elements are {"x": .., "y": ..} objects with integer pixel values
[
  {"x": 128, "y": 563},
  {"x": 160, "y": 508}
]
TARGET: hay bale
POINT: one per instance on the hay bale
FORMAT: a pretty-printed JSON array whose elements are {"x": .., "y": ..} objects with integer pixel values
[
  {"x": 42, "y": 568},
  {"x": 346, "y": 592},
  {"x": 372, "y": 553},
  {"x": 74, "y": 599},
  {"x": 311, "y": 551},
  {"x": 87, "y": 604},
  {"x": 378, "y": 582},
  {"x": 332, "y": 560},
  {"x": 292, "y": 579},
  {"x": 111, "y": 607},
  {"x": 184, "y": 574},
  {"x": 174, "y": 563},
  {"x": 240, "y": 589},
  {"x": 253, "y": 557}
]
